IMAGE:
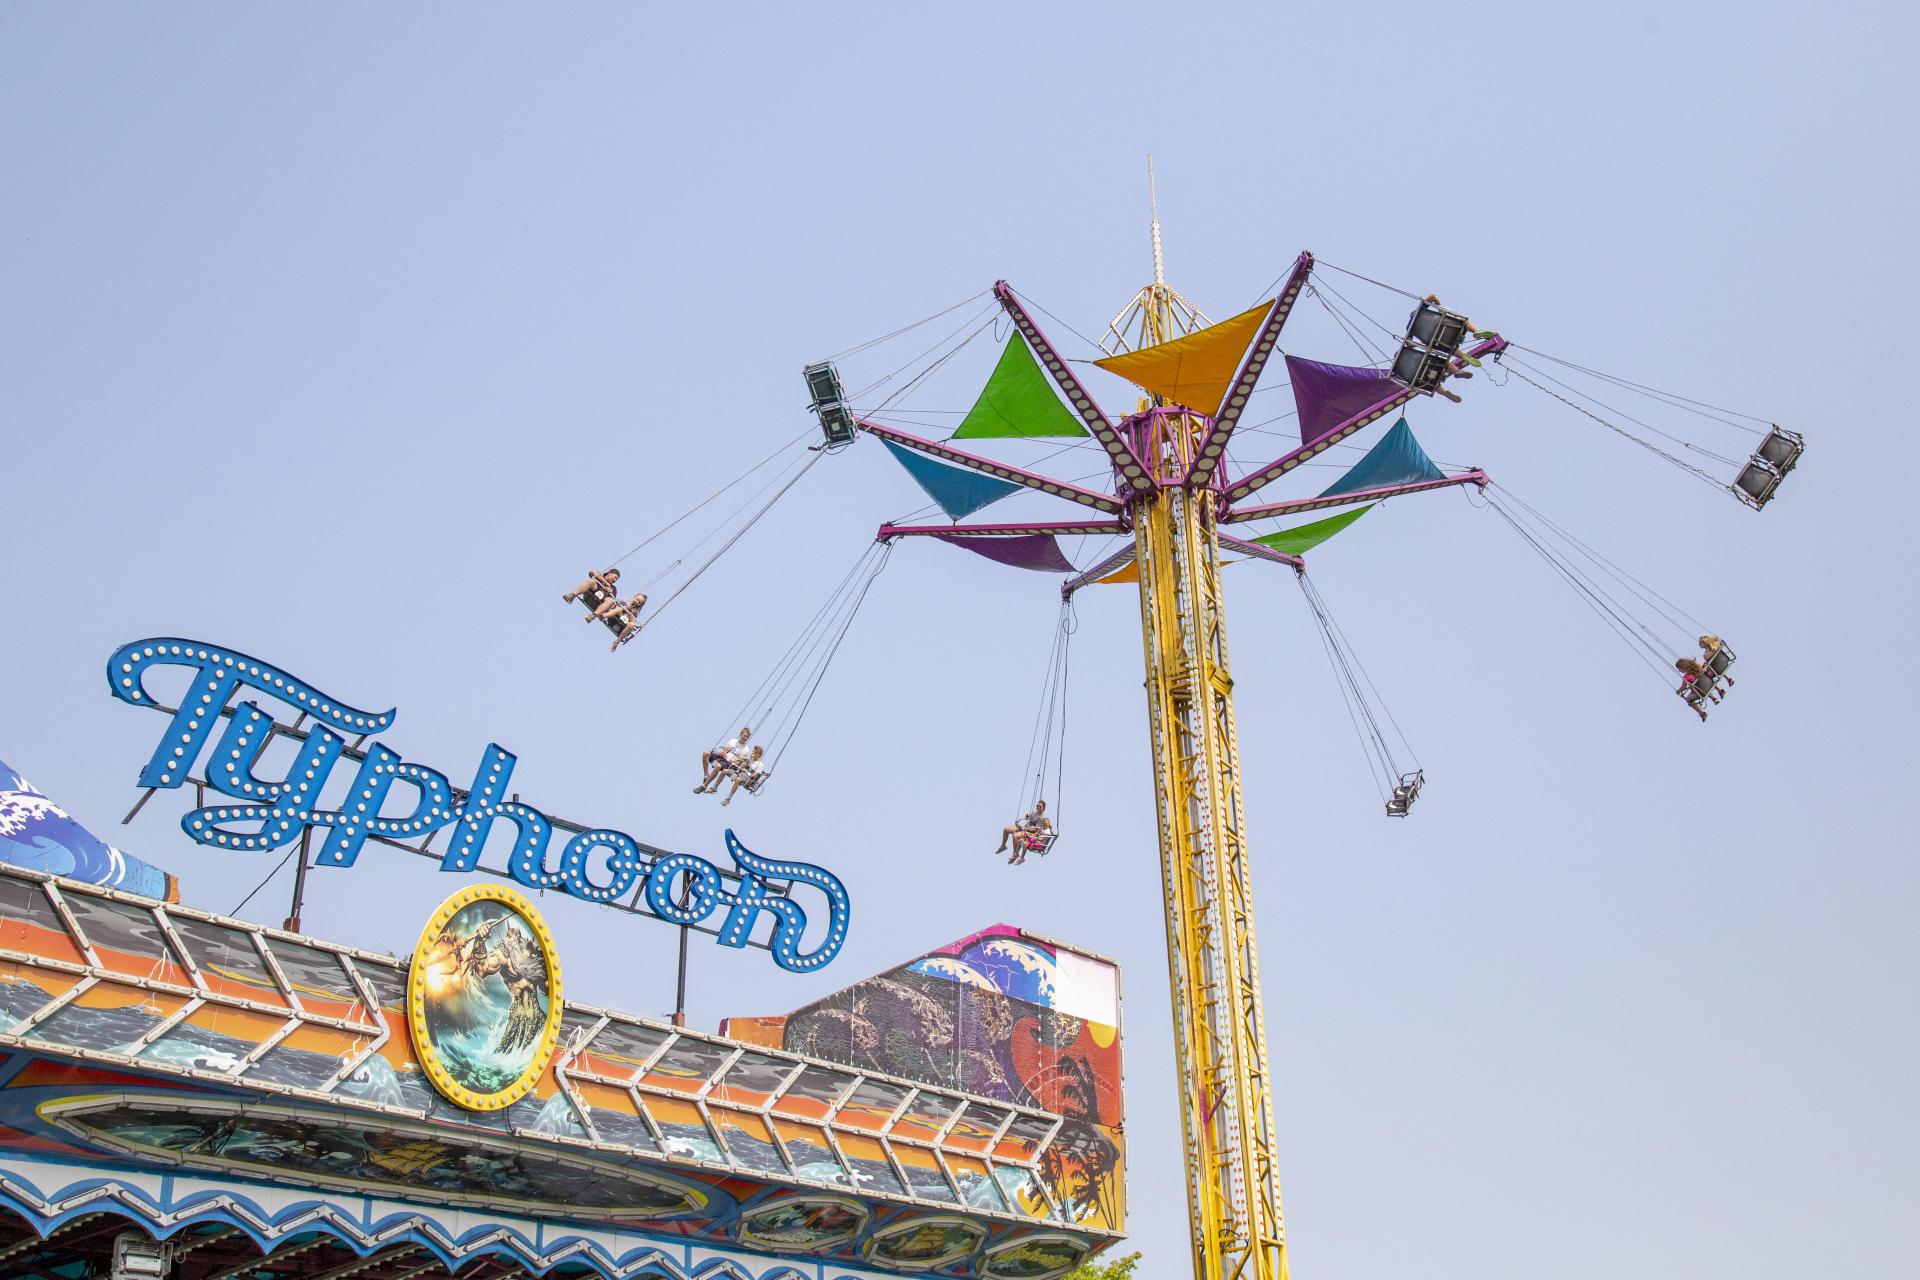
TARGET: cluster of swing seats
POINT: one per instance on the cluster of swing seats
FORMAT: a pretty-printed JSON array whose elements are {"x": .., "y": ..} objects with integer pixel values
[{"x": 1405, "y": 792}]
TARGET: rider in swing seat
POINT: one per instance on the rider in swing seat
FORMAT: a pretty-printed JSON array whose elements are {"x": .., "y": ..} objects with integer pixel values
[
  {"x": 621, "y": 616},
  {"x": 1692, "y": 686},
  {"x": 1716, "y": 657},
  {"x": 1026, "y": 834},
  {"x": 598, "y": 588},
  {"x": 747, "y": 773},
  {"x": 714, "y": 763}
]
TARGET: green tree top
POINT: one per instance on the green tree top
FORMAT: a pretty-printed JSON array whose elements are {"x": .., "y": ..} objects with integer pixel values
[{"x": 1111, "y": 1269}]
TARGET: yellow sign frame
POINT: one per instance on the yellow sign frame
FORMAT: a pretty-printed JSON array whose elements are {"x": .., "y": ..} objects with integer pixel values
[{"x": 450, "y": 1089}]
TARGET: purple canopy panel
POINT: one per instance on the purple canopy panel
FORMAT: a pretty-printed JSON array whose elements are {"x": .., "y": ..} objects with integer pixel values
[
  {"x": 1036, "y": 551},
  {"x": 1328, "y": 394}
]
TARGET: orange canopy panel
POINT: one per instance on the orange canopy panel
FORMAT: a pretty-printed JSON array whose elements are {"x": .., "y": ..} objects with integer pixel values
[{"x": 1195, "y": 370}]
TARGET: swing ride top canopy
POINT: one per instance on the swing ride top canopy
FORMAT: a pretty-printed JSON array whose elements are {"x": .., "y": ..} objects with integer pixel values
[{"x": 1208, "y": 376}]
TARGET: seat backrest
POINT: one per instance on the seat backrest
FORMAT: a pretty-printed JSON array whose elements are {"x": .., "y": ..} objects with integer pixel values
[{"x": 1722, "y": 659}]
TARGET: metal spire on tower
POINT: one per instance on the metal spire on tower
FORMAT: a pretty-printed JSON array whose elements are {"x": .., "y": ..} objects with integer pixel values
[{"x": 1153, "y": 204}]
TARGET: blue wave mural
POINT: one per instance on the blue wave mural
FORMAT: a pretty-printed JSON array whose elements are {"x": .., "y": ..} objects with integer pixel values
[{"x": 38, "y": 834}]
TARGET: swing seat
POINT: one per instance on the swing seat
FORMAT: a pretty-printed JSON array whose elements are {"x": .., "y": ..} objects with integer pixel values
[
  {"x": 592, "y": 598},
  {"x": 829, "y": 403},
  {"x": 1034, "y": 841},
  {"x": 1405, "y": 793},
  {"x": 1718, "y": 663}
]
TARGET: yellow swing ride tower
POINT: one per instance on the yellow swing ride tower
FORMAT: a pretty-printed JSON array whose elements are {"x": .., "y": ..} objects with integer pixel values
[
  {"x": 1226, "y": 1111},
  {"x": 1170, "y": 496}
]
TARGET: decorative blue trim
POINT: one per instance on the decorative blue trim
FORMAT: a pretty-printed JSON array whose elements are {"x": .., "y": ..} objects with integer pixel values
[{"x": 525, "y": 1243}]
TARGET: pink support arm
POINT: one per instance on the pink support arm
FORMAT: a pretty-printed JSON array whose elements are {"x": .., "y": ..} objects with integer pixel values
[
  {"x": 1119, "y": 452},
  {"x": 987, "y": 466},
  {"x": 891, "y": 531},
  {"x": 1259, "y": 552},
  {"x": 1112, "y": 564},
  {"x": 1239, "y": 514},
  {"x": 1213, "y": 446},
  {"x": 1259, "y": 479}
]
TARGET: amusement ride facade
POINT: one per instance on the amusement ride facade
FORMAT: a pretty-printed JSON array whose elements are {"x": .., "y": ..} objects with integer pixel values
[{"x": 195, "y": 1096}]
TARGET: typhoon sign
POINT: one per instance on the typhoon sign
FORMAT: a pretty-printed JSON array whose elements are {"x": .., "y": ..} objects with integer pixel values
[{"x": 354, "y": 791}]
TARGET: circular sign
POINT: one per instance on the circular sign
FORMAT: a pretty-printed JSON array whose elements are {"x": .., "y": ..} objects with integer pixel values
[{"x": 483, "y": 997}]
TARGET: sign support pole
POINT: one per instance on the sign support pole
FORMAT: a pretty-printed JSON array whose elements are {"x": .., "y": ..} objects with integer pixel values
[{"x": 300, "y": 882}]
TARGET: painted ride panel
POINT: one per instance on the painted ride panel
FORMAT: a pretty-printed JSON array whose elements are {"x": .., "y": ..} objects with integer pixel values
[{"x": 176, "y": 1067}]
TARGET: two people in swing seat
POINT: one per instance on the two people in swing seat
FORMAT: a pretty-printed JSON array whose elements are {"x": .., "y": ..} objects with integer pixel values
[
  {"x": 1032, "y": 834},
  {"x": 1698, "y": 676},
  {"x": 739, "y": 760},
  {"x": 600, "y": 591}
]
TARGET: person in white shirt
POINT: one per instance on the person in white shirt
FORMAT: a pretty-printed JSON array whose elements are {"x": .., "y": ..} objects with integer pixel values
[
  {"x": 746, "y": 774},
  {"x": 714, "y": 763},
  {"x": 1034, "y": 824}
]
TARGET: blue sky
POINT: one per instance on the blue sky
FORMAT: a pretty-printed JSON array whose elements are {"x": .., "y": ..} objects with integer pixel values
[{"x": 350, "y": 337}]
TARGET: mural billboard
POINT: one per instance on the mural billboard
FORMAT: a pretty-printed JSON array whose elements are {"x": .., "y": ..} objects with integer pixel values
[{"x": 1002, "y": 1014}]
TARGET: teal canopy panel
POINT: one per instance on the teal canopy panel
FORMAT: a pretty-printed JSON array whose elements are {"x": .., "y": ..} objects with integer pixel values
[
  {"x": 1397, "y": 459},
  {"x": 959, "y": 492}
]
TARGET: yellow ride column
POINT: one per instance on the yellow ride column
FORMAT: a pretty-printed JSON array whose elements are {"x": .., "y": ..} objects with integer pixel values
[{"x": 1219, "y": 1023}]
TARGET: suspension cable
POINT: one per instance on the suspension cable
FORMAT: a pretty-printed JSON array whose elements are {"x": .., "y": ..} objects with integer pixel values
[
  {"x": 970, "y": 322},
  {"x": 1390, "y": 288},
  {"x": 816, "y": 639},
  {"x": 753, "y": 702},
  {"x": 1052, "y": 698},
  {"x": 1674, "y": 398},
  {"x": 737, "y": 534},
  {"x": 1381, "y": 763},
  {"x": 827, "y": 662},
  {"x": 716, "y": 493},
  {"x": 1372, "y": 355},
  {"x": 1515, "y": 367},
  {"x": 1639, "y": 422},
  {"x": 1392, "y": 337},
  {"x": 906, "y": 328},
  {"x": 1646, "y": 647},
  {"x": 1665, "y": 607}
]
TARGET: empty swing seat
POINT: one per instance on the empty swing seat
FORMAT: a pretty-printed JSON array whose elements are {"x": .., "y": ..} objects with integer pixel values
[
  {"x": 1436, "y": 328},
  {"x": 1434, "y": 335},
  {"x": 1405, "y": 792},
  {"x": 829, "y": 402},
  {"x": 1761, "y": 476}
]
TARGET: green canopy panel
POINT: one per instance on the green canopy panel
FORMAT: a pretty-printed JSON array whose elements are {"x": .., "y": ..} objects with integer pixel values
[
  {"x": 1018, "y": 400},
  {"x": 1305, "y": 537}
]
